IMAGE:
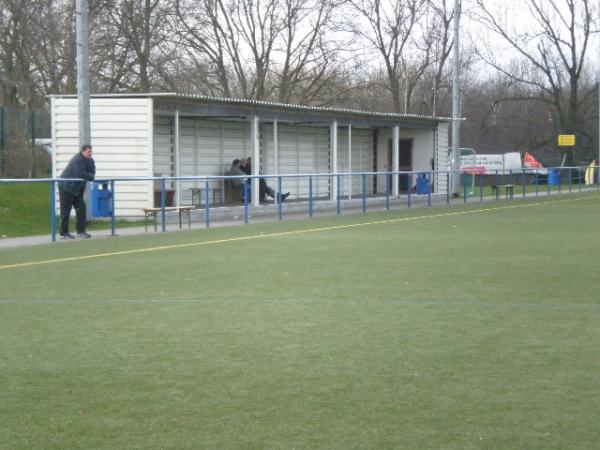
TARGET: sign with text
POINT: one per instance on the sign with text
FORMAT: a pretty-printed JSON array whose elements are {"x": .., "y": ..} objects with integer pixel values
[
  {"x": 490, "y": 164},
  {"x": 566, "y": 140}
]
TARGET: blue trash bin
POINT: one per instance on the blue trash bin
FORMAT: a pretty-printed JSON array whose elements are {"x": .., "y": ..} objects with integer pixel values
[
  {"x": 423, "y": 184},
  {"x": 101, "y": 200},
  {"x": 554, "y": 177}
]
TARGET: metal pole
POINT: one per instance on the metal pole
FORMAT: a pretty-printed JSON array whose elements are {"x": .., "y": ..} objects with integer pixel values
[
  {"x": 456, "y": 102},
  {"x": 83, "y": 84}
]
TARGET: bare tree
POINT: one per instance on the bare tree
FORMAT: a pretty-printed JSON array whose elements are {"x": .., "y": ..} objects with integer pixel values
[
  {"x": 551, "y": 51},
  {"x": 388, "y": 26},
  {"x": 17, "y": 31},
  {"x": 309, "y": 55},
  {"x": 129, "y": 43}
]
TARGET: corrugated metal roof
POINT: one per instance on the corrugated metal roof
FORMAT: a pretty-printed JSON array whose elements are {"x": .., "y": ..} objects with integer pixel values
[{"x": 272, "y": 105}]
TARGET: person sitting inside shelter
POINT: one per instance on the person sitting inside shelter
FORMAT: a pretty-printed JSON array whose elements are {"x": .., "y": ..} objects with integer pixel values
[
  {"x": 238, "y": 183},
  {"x": 263, "y": 188}
]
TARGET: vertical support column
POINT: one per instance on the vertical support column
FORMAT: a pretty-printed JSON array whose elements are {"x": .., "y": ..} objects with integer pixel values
[
  {"x": 255, "y": 138},
  {"x": 83, "y": 86},
  {"x": 396, "y": 160},
  {"x": 177, "y": 156},
  {"x": 350, "y": 161},
  {"x": 334, "y": 160}
]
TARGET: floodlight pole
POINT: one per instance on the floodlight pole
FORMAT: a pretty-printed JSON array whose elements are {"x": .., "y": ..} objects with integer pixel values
[
  {"x": 83, "y": 85},
  {"x": 456, "y": 103}
]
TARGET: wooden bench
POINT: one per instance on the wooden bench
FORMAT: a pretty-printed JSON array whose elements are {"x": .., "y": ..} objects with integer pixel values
[
  {"x": 509, "y": 190},
  {"x": 198, "y": 195},
  {"x": 153, "y": 212}
]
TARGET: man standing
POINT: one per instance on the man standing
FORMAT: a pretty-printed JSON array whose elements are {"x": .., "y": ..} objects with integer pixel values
[{"x": 71, "y": 192}]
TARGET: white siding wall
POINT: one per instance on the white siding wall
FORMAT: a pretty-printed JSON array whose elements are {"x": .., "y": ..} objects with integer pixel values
[
  {"x": 360, "y": 159},
  {"x": 121, "y": 133},
  {"x": 441, "y": 158},
  {"x": 425, "y": 143},
  {"x": 206, "y": 147},
  {"x": 301, "y": 150}
]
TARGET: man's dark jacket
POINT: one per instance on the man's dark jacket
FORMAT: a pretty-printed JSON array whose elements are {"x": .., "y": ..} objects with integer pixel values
[{"x": 78, "y": 167}]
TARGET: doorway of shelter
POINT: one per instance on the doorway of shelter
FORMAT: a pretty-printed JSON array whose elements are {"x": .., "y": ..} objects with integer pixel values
[{"x": 405, "y": 162}]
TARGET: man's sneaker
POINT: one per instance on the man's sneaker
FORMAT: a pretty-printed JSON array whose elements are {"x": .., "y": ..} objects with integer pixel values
[
  {"x": 284, "y": 196},
  {"x": 84, "y": 235},
  {"x": 67, "y": 236}
]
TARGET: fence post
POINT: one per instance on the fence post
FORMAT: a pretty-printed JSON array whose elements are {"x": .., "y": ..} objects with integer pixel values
[
  {"x": 163, "y": 202},
  {"x": 480, "y": 187},
  {"x": 339, "y": 206},
  {"x": 112, "y": 208},
  {"x": 207, "y": 202},
  {"x": 310, "y": 196},
  {"x": 524, "y": 182},
  {"x": 429, "y": 188},
  {"x": 278, "y": 198},
  {"x": 447, "y": 188},
  {"x": 364, "y": 192},
  {"x": 387, "y": 192},
  {"x": 409, "y": 178},
  {"x": 52, "y": 207},
  {"x": 497, "y": 186},
  {"x": 247, "y": 192}
]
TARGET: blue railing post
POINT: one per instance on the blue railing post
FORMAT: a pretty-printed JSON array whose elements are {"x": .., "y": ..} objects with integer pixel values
[
  {"x": 548, "y": 182},
  {"x": 278, "y": 197},
  {"x": 428, "y": 188},
  {"x": 364, "y": 192},
  {"x": 581, "y": 174},
  {"x": 339, "y": 205},
  {"x": 53, "y": 208},
  {"x": 247, "y": 193},
  {"x": 524, "y": 182},
  {"x": 560, "y": 182},
  {"x": 387, "y": 192},
  {"x": 537, "y": 182},
  {"x": 447, "y": 188},
  {"x": 480, "y": 187},
  {"x": 497, "y": 186},
  {"x": 207, "y": 202},
  {"x": 570, "y": 180},
  {"x": 113, "y": 221},
  {"x": 464, "y": 178},
  {"x": 163, "y": 203},
  {"x": 409, "y": 179},
  {"x": 310, "y": 196}
]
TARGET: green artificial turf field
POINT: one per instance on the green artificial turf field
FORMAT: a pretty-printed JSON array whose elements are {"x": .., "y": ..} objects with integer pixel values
[{"x": 468, "y": 327}]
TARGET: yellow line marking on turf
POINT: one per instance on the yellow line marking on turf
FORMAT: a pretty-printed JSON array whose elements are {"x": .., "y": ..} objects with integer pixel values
[{"x": 284, "y": 233}]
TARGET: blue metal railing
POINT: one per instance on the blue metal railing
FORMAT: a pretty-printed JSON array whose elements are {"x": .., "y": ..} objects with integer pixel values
[{"x": 343, "y": 185}]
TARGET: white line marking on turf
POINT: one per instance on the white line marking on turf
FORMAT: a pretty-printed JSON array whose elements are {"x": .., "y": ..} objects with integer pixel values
[
  {"x": 339, "y": 302},
  {"x": 286, "y": 233}
]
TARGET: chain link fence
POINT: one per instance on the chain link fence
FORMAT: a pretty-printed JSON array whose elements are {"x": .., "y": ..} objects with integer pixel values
[{"x": 22, "y": 155}]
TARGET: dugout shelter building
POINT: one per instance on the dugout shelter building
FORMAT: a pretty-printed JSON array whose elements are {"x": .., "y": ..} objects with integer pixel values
[{"x": 179, "y": 135}]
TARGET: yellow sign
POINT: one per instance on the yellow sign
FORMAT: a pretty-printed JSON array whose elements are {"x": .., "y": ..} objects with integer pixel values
[{"x": 566, "y": 140}]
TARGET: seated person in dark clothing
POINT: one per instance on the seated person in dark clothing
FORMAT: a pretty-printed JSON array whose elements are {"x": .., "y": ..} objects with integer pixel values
[{"x": 263, "y": 188}]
